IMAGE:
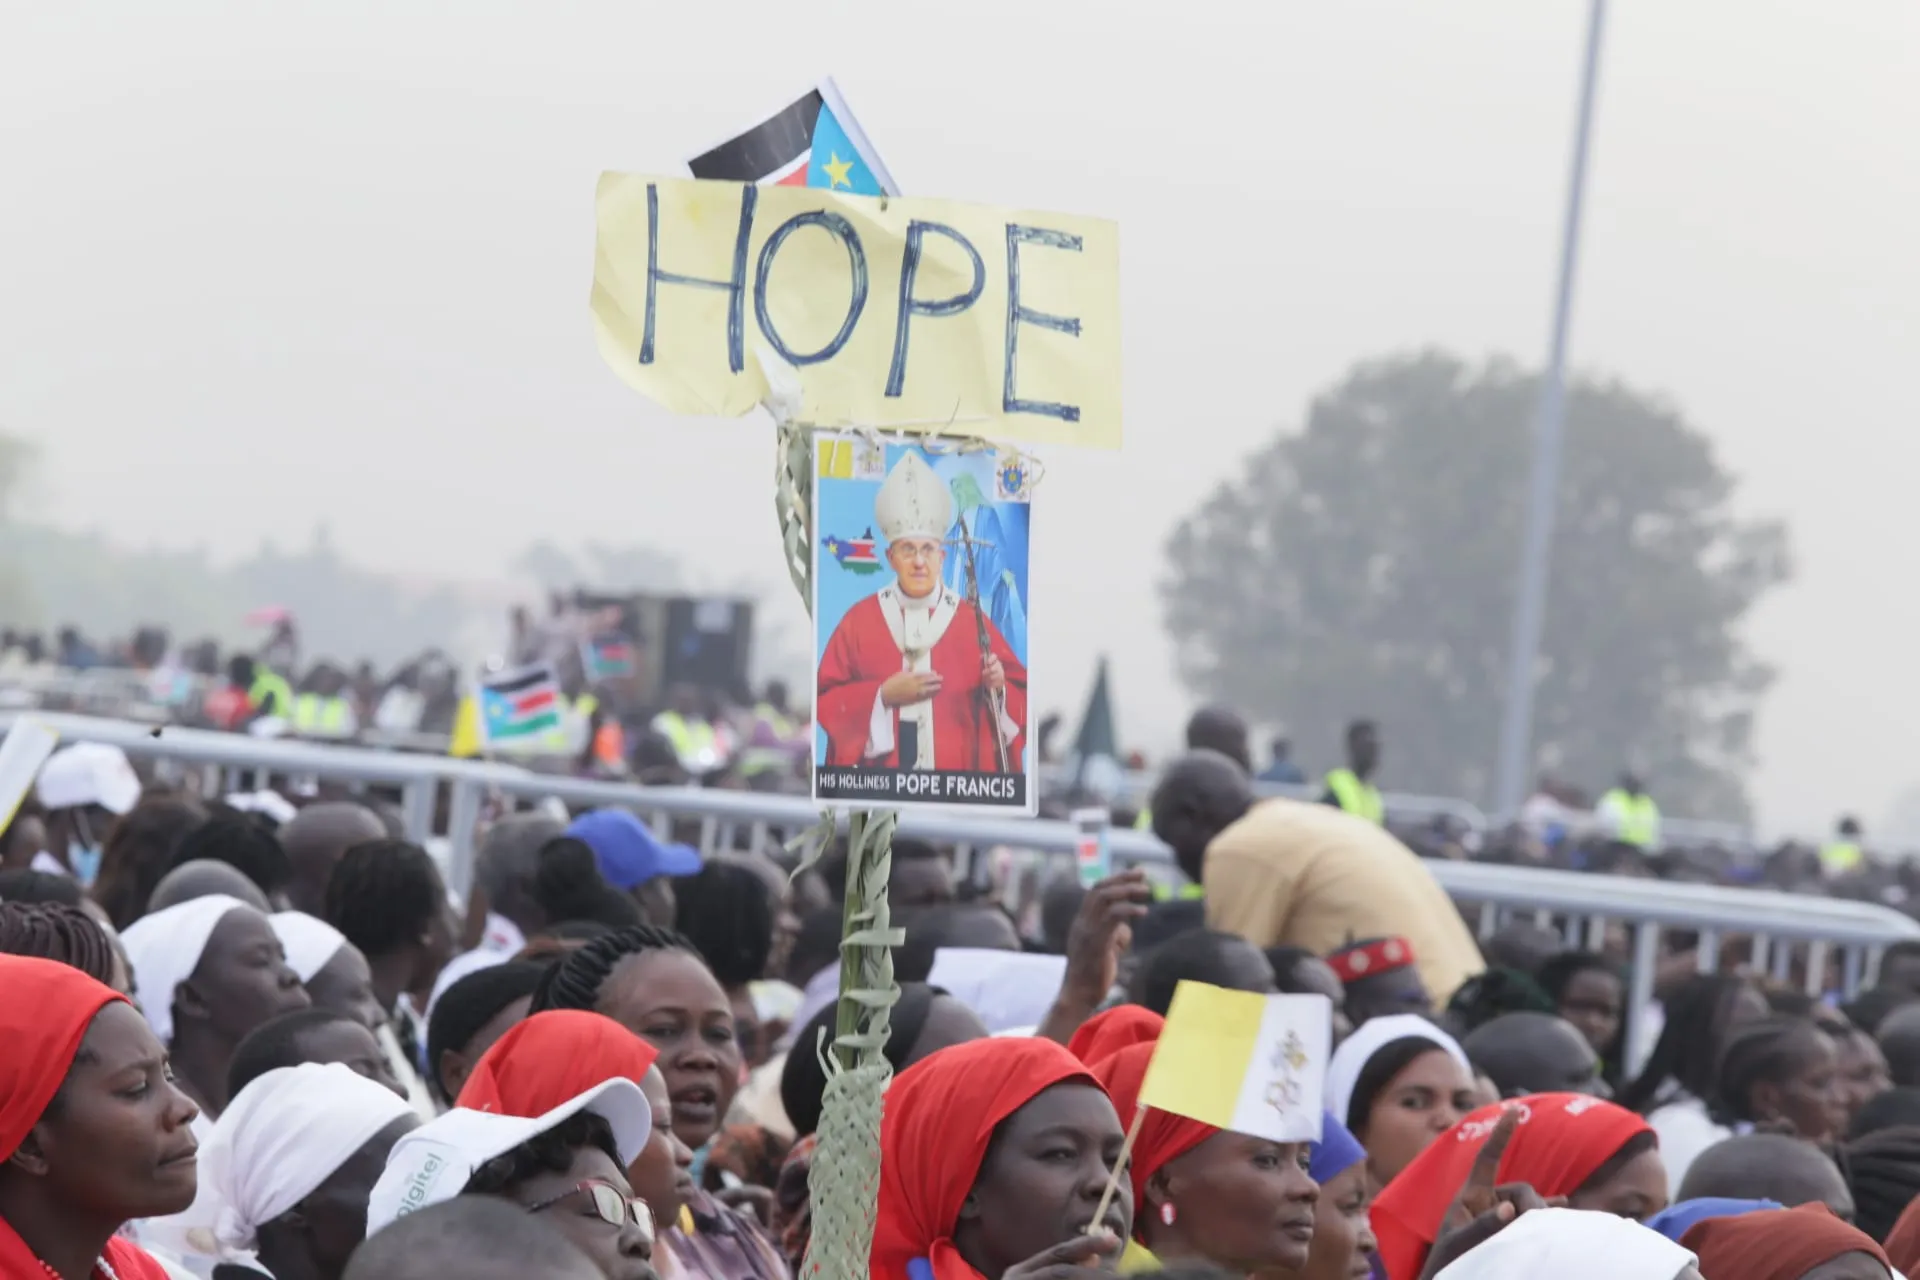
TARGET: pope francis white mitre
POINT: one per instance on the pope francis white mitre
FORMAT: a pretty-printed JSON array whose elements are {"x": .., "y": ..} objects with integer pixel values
[{"x": 903, "y": 682}]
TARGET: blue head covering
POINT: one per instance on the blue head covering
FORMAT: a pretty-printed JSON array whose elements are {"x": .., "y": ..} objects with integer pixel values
[
  {"x": 1675, "y": 1220},
  {"x": 628, "y": 852},
  {"x": 1336, "y": 1152}
]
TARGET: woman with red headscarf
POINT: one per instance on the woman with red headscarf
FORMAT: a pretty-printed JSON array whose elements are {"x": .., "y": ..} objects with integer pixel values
[
  {"x": 1105, "y": 1034},
  {"x": 1206, "y": 1194},
  {"x": 560, "y": 1054},
  {"x": 1598, "y": 1155},
  {"x": 1807, "y": 1243},
  {"x": 993, "y": 1159},
  {"x": 93, "y": 1133}
]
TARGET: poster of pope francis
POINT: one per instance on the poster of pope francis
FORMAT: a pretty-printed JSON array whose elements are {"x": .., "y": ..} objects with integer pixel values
[{"x": 920, "y": 626}]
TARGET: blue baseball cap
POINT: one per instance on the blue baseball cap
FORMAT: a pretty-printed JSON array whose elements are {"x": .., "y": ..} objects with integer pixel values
[{"x": 628, "y": 852}]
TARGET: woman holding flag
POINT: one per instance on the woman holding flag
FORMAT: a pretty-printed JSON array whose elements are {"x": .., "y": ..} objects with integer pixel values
[{"x": 1241, "y": 1202}]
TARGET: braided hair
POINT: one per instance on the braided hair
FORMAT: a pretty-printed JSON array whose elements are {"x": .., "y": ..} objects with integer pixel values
[
  {"x": 53, "y": 931},
  {"x": 1768, "y": 1050},
  {"x": 575, "y": 981},
  {"x": 383, "y": 894},
  {"x": 726, "y": 911}
]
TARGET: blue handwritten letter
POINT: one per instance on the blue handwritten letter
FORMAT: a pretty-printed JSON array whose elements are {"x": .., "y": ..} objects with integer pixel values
[
  {"x": 840, "y": 229},
  {"x": 1018, "y": 315},
  {"x": 736, "y": 286},
  {"x": 910, "y": 307}
]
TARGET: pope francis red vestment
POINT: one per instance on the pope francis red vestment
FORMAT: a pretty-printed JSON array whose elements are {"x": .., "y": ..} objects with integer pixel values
[{"x": 886, "y": 634}]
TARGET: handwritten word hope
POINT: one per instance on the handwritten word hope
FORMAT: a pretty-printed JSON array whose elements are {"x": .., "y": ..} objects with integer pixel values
[{"x": 891, "y": 312}]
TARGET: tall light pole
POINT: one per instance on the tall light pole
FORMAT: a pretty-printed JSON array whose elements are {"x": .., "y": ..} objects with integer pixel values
[{"x": 1529, "y": 613}]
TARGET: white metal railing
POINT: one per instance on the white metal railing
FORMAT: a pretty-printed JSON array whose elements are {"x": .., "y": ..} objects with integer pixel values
[
  {"x": 1686, "y": 833},
  {"x": 1784, "y": 927},
  {"x": 123, "y": 693}
]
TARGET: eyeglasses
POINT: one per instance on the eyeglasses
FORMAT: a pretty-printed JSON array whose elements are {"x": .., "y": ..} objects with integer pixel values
[{"x": 612, "y": 1206}]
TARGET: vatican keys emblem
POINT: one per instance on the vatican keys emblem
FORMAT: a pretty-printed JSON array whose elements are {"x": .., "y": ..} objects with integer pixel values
[{"x": 1288, "y": 1060}]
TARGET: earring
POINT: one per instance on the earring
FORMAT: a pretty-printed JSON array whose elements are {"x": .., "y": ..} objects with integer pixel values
[{"x": 1167, "y": 1215}]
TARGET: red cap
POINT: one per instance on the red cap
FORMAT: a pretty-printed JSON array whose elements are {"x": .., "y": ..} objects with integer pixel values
[{"x": 1366, "y": 959}]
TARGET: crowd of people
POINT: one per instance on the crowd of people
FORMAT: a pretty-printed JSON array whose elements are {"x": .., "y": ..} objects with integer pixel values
[
  {"x": 1618, "y": 832},
  {"x": 614, "y": 724},
  {"x": 701, "y": 735},
  {"x": 267, "y": 1041}
]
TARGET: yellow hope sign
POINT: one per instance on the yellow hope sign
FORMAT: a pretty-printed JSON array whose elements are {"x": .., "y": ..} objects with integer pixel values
[{"x": 894, "y": 312}]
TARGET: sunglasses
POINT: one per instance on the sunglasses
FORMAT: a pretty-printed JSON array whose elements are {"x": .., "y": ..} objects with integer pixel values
[{"x": 610, "y": 1205}]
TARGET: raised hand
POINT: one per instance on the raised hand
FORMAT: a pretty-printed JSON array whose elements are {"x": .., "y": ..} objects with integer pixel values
[{"x": 1080, "y": 1258}]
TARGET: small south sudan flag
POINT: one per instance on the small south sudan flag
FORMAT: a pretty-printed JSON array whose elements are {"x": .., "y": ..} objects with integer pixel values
[
  {"x": 519, "y": 704},
  {"x": 812, "y": 142}
]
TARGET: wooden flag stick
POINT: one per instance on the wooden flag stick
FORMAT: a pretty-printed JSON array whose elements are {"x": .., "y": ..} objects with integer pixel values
[{"x": 1119, "y": 1172}]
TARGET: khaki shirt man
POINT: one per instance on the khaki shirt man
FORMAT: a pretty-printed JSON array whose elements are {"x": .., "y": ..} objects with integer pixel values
[{"x": 1310, "y": 875}]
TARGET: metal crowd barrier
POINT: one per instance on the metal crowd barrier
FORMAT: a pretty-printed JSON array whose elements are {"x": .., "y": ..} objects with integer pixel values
[
  {"x": 1783, "y": 927},
  {"x": 1137, "y": 787},
  {"x": 1686, "y": 833},
  {"x": 113, "y": 692}
]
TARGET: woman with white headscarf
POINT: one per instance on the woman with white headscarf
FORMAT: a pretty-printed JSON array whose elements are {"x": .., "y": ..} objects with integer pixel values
[
  {"x": 337, "y": 978},
  {"x": 1397, "y": 1083},
  {"x": 332, "y": 969},
  {"x": 207, "y": 972},
  {"x": 1567, "y": 1244},
  {"x": 285, "y": 1176}
]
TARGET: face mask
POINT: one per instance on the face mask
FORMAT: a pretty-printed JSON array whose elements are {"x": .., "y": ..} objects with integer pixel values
[{"x": 85, "y": 861}]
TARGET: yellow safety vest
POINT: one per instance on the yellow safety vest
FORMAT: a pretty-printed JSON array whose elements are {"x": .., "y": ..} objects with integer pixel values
[
  {"x": 1639, "y": 817},
  {"x": 1143, "y": 821},
  {"x": 1185, "y": 893},
  {"x": 1839, "y": 857},
  {"x": 270, "y": 694},
  {"x": 315, "y": 716},
  {"x": 689, "y": 737},
  {"x": 1357, "y": 797}
]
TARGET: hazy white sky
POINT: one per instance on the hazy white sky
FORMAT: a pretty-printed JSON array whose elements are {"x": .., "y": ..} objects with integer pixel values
[{"x": 348, "y": 245}]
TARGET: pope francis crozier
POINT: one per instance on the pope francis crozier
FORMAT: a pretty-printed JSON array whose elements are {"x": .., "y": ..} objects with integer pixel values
[{"x": 904, "y": 682}]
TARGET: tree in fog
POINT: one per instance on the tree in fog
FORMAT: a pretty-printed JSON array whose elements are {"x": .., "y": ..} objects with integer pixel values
[{"x": 1366, "y": 566}]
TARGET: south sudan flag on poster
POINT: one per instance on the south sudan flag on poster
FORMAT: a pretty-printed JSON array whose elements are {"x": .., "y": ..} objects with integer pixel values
[
  {"x": 519, "y": 704},
  {"x": 812, "y": 142}
]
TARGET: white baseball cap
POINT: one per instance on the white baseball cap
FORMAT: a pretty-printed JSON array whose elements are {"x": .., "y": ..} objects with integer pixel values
[
  {"x": 434, "y": 1162},
  {"x": 88, "y": 773}
]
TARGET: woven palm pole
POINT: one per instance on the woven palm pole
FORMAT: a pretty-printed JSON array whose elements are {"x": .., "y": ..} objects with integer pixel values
[{"x": 844, "y": 1181}]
